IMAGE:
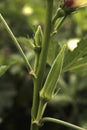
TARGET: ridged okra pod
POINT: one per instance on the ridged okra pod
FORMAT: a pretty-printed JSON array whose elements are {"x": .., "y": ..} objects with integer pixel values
[{"x": 53, "y": 75}]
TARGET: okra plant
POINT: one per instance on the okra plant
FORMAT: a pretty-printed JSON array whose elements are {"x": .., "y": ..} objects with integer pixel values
[{"x": 63, "y": 62}]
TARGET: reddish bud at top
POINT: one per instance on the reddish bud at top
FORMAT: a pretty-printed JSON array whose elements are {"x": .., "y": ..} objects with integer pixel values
[
  {"x": 69, "y": 3},
  {"x": 75, "y": 3}
]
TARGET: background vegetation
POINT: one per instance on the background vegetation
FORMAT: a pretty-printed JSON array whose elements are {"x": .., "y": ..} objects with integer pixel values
[{"x": 16, "y": 86}]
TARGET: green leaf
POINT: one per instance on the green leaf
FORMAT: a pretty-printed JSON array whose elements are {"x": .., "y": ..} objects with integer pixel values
[
  {"x": 79, "y": 64},
  {"x": 80, "y": 69},
  {"x": 27, "y": 42},
  {"x": 53, "y": 75},
  {"x": 3, "y": 69},
  {"x": 17, "y": 59},
  {"x": 76, "y": 59}
]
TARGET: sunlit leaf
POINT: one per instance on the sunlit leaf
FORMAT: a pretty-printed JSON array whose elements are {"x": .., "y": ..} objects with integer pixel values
[{"x": 76, "y": 59}]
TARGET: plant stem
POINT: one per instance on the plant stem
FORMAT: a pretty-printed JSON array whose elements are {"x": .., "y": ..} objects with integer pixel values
[
  {"x": 16, "y": 42},
  {"x": 41, "y": 63},
  {"x": 36, "y": 62},
  {"x": 48, "y": 119},
  {"x": 45, "y": 44},
  {"x": 42, "y": 106}
]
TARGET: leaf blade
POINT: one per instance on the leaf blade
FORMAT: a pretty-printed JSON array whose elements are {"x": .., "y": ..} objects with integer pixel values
[{"x": 72, "y": 58}]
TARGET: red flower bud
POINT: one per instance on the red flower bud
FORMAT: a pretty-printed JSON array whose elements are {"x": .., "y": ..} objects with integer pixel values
[
  {"x": 69, "y": 3},
  {"x": 75, "y": 3}
]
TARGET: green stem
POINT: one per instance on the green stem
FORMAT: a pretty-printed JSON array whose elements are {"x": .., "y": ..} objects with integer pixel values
[
  {"x": 48, "y": 119},
  {"x": 35, "y": 102},
  {"x": 41, "y": 63},
  {"x": 36, "y": 62},
  {"x": 42, "y": 106},
  {"x": 15, "y": 42},
  {"x": 45, "y": 44}
]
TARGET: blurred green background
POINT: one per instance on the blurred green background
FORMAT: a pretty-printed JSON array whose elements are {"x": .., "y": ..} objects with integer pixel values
[{"x": 16, "y": 87}]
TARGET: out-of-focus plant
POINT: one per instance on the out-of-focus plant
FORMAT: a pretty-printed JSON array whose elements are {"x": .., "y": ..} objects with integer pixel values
[{"x": 57, "y": 56}]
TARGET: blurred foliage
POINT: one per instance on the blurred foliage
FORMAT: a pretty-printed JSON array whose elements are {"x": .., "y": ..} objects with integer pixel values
[{"x": 16, "y": 85}]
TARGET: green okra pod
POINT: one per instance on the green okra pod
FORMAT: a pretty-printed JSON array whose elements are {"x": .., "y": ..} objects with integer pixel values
[{"x": 49, "y": 86}]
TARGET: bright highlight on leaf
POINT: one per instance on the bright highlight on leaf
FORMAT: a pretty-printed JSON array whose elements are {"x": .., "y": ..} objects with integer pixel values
[{"x": 72, "y": 44}]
